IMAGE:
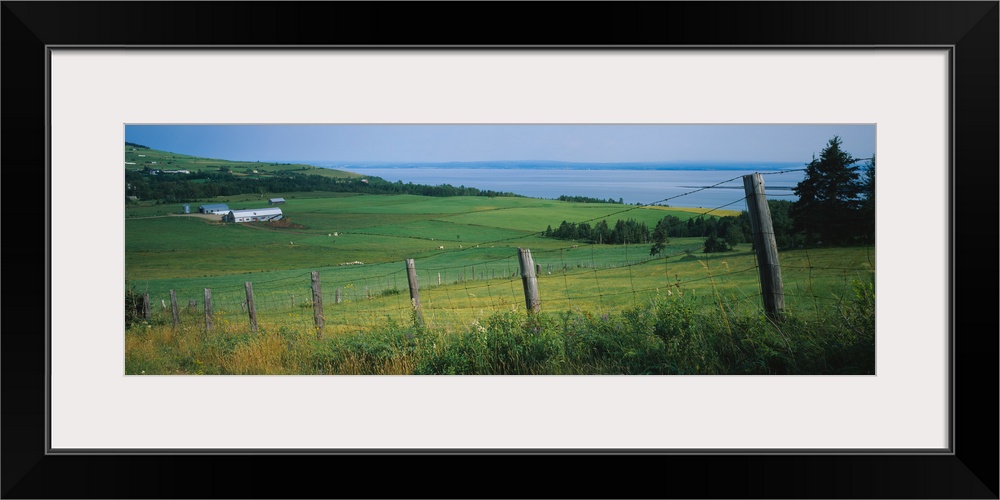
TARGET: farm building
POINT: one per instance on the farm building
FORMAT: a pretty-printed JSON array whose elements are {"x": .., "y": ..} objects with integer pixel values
[
  {"x": 253, "y": 214},
  {"x": 215, "y": 208},
  {"x": 275, "y": 201}
]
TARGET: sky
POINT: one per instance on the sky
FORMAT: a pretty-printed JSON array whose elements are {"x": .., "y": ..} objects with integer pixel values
[{"x": 450, "y": 143}]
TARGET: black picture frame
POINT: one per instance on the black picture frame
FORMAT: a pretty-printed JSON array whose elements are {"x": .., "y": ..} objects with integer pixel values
[{"x": 970, "y": 28}]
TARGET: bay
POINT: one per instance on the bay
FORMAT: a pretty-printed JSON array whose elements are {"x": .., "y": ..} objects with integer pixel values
[{"x": 675, "y": 187}]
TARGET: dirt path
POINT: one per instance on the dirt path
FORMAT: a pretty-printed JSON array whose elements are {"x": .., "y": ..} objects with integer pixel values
[{"x": 215, "y": 217}]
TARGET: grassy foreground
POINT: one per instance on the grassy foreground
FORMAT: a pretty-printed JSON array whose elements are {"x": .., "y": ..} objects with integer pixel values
[
  {"x": 606, "y": 309},
  {"x": 669, "y": 334}
]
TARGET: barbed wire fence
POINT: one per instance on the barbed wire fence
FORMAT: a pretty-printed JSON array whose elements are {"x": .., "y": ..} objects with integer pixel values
[{"x": 596, "y": 278}]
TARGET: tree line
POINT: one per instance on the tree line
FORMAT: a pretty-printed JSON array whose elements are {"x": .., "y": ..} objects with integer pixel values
[
  {"x": 721, "y": 233},
  {"x": 623, "y": 232},
  {"x": 174, "y": 188},
  {"x": 588, "y": 199}
]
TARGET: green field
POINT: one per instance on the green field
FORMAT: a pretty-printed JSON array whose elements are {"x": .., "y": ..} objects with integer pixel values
[
  {"x": 358, "y": 244},
  {"x": 376, "y": 230}
]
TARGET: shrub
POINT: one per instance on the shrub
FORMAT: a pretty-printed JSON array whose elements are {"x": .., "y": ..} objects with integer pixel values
[
  {"x": 133, "y": 305},
  {"x": 506, "y": 343},
  {"x": 714, "y": 244}
]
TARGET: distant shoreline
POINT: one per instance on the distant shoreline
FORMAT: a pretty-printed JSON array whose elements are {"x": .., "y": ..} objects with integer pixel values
[{"x": 551, "y": 165}]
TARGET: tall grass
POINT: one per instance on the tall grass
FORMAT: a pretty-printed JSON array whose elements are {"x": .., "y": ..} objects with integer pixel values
[{"x": 675, "y": 333}]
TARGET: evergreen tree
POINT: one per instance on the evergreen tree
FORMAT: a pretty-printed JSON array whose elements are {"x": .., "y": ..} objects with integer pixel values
[
  {"x": 868, "y": 203},
  {"x": 659, "y": 238},
  {"x": 828, "y": 207}
]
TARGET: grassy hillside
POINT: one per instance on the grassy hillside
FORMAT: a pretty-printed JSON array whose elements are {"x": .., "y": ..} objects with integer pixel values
[{"x": 139, "y": 158}]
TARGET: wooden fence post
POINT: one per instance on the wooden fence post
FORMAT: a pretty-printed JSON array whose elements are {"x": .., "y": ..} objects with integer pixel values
[
  {"x": 173, "y": 307},
  {"x": 251, "y": 308},
  {"x": 293, "y": 301},
  {"x": 317, "y": 305},
  {"x": 411, "y": 277},
  {"x": 147, "y": 314},
  {"x": 208, "y": 309},
  {"x": 528, "y": 279},
  {"x": 765, "y": 245},
  {"x": 439, "y": 279},
  {"x": 337, "y": 295}
]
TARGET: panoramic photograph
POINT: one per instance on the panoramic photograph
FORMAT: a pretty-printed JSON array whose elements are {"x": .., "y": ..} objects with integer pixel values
[{"x": 514, "y": 249}]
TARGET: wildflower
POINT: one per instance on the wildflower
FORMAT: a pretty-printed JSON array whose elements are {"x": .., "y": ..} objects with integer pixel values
[{"x": 479, "y": 328}]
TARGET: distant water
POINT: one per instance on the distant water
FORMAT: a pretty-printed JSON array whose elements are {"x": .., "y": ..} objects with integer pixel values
[{"x": 674, "y": 187}]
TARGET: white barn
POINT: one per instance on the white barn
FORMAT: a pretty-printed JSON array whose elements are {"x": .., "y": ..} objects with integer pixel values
[
  {"x": 253, "y": 215},
  {"x": 214, "y": 208}
]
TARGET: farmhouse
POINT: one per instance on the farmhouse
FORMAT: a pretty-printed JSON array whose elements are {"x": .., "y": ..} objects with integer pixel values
[
  {"x": 275, "y": 201},
  {"x": 252, "y": 215},
  {"x": 214, "y": 208}
]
